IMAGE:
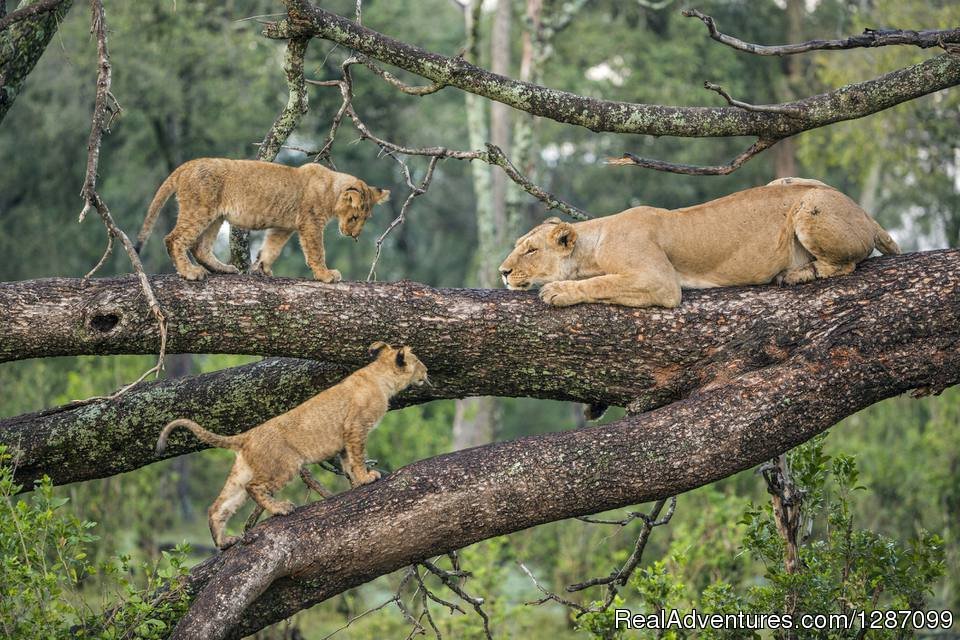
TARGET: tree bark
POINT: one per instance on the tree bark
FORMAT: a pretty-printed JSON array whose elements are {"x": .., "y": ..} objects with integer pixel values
[
  {"x": 833, "y": 354},
  {"x": 846, "y": 103},
  {"x": 21, "y": 45},
  {"x": 475, "y": 342}
]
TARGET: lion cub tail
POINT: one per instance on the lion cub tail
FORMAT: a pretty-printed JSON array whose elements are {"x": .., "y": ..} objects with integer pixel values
[
  {"x": 163, "y": 194},
  {"x": 884, "y": 243},
  {"x": 211, "y": 438}
]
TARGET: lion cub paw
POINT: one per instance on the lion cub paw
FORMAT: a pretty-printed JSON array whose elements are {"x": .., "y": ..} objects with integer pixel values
[
  {"x": 194, "y": 273},
  {"x": 560, "y": 294},
  {"x": 284, "y": 508},
  {"x": 370, "y": 477},
  {"x": 228, "y": 542},
  {"x": 260, "y": 269},
  {"x": 329, "y": 276}
]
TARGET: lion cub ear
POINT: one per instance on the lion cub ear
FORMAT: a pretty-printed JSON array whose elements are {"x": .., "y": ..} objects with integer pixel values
[
  {"x": 380, "y": 195},
  {"x": 564, "y": 235},
  {"x": 552, "y": 220},
  {"x": 375, "y": 348},
  {"x": 402, "y": 357},
  {"x": 352, "y": 197}
]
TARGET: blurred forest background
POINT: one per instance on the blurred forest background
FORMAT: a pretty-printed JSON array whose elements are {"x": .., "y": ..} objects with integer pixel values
[{"x": 195, "y": 78}]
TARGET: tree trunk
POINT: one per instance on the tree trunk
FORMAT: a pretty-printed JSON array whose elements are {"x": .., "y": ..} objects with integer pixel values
[
  {"x": 474, "y": 343},
  {"x": 863, "y": 353}
]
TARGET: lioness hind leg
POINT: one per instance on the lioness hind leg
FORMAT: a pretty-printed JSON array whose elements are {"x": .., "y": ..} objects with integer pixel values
[
  {"x": 203, "y": 250},
  {"x": 836, "y": 232},
  {"x": 816, "y": 269}
]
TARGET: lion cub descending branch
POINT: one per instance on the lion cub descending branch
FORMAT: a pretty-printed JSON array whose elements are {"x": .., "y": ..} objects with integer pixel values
[
  {"x": 335, "y": 421},
  {"x": 792, "y": 230},
  {"x": 258, "y": 195}
]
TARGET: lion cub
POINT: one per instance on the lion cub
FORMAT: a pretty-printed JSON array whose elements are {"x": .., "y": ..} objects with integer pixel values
[
  {"x": 335, "y": 421},
  {"x": 258, "y": 195}
]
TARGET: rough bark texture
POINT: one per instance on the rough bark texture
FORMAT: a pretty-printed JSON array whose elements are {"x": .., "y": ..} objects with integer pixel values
[
  {"x": 475, "y": 342},
  {"x": 846, "y": 103},
  {"x": 21, "y": 45},
  {"x": 830, "y": 350}
]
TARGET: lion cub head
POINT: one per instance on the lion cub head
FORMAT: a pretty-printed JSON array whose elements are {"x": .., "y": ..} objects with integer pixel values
[
  {"x": 401, "y": 362},
  {"x": 543, "y": 255}
]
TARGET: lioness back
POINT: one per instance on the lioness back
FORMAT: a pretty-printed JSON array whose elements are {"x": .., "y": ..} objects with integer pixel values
[{"x": 792, "y": 230}]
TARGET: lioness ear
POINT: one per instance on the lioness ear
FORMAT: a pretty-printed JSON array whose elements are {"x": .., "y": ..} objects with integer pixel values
[
  {"x": 382, "y": 195},
  {"x": 401, "y": 358},
  {"x": 375, "y": 348},
  {"x": 564, "y": 235},
  {"x": 553, "y": 220}
]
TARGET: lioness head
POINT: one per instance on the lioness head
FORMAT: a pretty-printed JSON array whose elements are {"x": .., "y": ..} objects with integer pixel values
[
  {"x": 354, "y": 205},
  {"x": 541, "y": 256},
  {"x": 401, "y": 361}
]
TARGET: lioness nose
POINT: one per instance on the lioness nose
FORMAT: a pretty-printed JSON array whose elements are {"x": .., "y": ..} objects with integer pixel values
[{"x": 505, "y": 272}]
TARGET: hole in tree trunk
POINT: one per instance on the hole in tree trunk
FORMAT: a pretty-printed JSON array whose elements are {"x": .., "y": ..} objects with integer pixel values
[{"x": 104, "y": 322}]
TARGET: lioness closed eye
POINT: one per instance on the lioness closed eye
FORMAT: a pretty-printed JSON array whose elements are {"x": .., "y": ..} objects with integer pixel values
[
  {"x": 792, "y": 230},
  {"x": 333, "y": 422},
  {"x": 258, "y": 195}
]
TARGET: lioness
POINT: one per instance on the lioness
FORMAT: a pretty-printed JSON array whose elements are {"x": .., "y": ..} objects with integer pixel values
[
  {"x": 258, "y": 195},
  {"x": 792, "y": 230},
  {"x": 335, "y": 421}
]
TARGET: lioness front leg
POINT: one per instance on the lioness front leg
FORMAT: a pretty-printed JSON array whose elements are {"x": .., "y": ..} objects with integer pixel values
[{"x": 627, "y": 289}]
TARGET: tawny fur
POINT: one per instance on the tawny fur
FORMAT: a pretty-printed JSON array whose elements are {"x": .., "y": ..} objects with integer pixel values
[
  {"x": 258, "y": 195},
  {"x": 334, "y": 422},
  {"x": 792, "y": 230}
]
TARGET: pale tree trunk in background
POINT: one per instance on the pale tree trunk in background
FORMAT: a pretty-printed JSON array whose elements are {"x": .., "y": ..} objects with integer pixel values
[
  {"x": 500, "y": 136},
  {"x": 474, "y": 420},
  {"x": 785, "y": 152},
  {"x": 180, "y": 365}
]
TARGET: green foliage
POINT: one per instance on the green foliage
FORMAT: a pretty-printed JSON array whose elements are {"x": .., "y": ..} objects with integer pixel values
[{"x": 47, "y": 576}]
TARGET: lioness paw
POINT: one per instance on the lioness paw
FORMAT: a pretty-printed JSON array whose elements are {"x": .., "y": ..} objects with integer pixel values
[
  {"x": 194, "y": 273},
  {"x": 560, "y": 294}
]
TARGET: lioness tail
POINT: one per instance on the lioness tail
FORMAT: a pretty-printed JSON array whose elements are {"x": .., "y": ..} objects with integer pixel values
[
  {"x": 884, "y": 243},
  {"x": 213, "y": 439},
  {"x": 159, "y": 199}
]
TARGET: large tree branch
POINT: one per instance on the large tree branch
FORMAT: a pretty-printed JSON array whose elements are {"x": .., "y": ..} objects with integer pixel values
[
  {"x": 846, "y": 103},
  {"x": 871, "y": 344},
  {"x": 475, "y": 342},
  {"x": 24, "y": 36}
]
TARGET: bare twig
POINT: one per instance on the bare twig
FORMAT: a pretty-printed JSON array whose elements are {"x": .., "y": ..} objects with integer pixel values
[
  {"x": 628, "y": 159},
  {"x": 415, "y": 190},
  {"x": 449, "y": 578},
  {"x": 618, "y": 577},
  {"x": 105, "y": 109},
  {"x": 394, "y": 81},
  {"x": 869, "y": 38},
  {"x": 787, "y": 110}
]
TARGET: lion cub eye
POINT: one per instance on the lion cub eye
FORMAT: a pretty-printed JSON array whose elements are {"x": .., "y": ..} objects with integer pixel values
[{"x": 529, "y": 251}]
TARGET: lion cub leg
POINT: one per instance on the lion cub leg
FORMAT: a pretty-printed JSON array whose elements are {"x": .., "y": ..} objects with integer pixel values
[
  {"x": 354, "y": 457},
  {"x": 190, "y": 224},
  {"x": 231, "y": 497},
  {"x": 270, "y": 251},
  {"x": 311, "y": 239},
  {"x": 203, "y": 250}
]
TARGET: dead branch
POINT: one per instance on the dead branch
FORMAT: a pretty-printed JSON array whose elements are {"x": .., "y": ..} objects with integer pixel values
[
  {"x": 628, "y": 159},
  {"x": 105, "y": 109},
  {"x": 869, "y": 38}
]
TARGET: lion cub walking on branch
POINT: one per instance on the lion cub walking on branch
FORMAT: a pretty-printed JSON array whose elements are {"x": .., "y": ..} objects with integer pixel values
[
  {"x": 335, "y": 421},
  {"x": 258, "y": 195},
  {"x": 792, "y": 230}
]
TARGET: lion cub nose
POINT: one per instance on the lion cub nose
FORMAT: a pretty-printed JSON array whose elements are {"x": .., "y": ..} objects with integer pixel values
[{"x": 505, "y": 272}]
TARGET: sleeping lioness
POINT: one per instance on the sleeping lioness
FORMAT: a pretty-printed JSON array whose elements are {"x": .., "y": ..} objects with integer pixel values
[{"x": 792, "y": 230}]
